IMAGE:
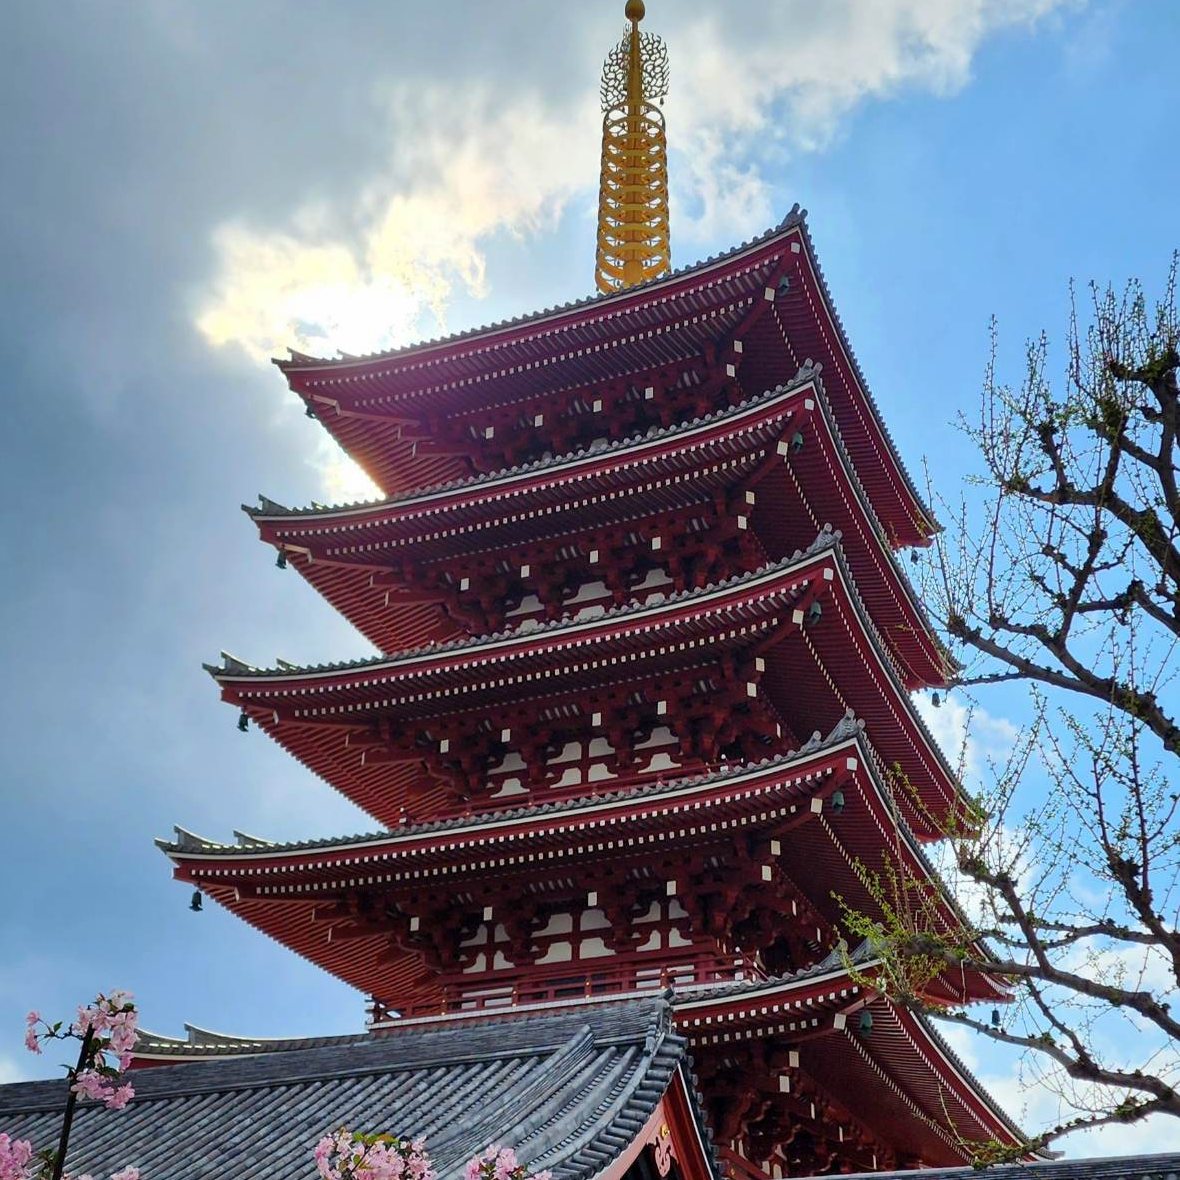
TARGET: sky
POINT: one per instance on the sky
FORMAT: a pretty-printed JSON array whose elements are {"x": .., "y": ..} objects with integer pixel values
[{"x": 190, "y": 187}]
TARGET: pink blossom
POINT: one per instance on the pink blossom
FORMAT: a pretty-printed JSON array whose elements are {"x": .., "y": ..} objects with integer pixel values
[
  {"x": 126, "y": 1174},
  {"x": 32, "y": 1040},
  {"x": 14, "y": 1157},
  {"x": 89, "y": 1084},
  {"x": 347, "y": 1155},
  {"x": 506, "y": 1164},
  {"x": 117, "y": 1097},
  {"x": 499, "y": 1163}
]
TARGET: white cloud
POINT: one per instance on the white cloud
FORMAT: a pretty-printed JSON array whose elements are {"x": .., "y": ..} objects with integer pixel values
[
  {"x": 1022, "y": 1090},
  {"x": 10, "y": 1071},
  {"x": 467, "y": 166},
  {"x": 744, "y": 89},
  {"x": 460, "y": 172},
  {"x": 970, "y": 736},
  {"x": 342, "y": 480}
]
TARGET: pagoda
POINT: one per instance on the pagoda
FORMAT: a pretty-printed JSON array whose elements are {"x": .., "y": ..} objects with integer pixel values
[{"x": 642, "y": 697}]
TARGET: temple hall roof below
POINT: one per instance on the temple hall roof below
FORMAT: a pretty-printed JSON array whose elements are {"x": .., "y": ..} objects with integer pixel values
[{"x": 570, "y": 1091}]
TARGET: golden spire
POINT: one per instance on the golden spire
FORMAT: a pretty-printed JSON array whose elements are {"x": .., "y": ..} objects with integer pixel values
[{"x": 633, "y": 243}]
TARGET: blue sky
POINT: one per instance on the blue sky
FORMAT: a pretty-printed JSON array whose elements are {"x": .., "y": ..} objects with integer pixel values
[{"x": 188, "y": 187}]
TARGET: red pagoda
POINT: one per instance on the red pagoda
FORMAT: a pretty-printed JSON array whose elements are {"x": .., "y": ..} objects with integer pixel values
[{"x": 646, "y": 657}]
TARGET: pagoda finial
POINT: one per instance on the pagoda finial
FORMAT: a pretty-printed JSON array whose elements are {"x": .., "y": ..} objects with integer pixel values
[{"x": 633, "y": 237}]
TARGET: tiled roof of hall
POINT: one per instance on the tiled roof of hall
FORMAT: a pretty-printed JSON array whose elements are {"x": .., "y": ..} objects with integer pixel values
[
  {"x": 809, "y": 374},
  {"x": 233, "y": 668},
  {"x": 847, "y": 729},
  {"x": 203, "y": 1042},
  {"x": 569, "y": 1089},
  {"x": 795, "y": 219}
]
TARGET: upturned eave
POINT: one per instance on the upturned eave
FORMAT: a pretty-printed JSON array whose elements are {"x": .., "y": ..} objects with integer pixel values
[{"x": 363, "y": 401}]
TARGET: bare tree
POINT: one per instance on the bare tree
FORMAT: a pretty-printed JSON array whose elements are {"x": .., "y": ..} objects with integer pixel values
[{"x": 1060, "y": 570}]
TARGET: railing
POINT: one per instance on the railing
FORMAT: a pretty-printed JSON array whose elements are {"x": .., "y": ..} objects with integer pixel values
[{"x": 634, "y": 972}]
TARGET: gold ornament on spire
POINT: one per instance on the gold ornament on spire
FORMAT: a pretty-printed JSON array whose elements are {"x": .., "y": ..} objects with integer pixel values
[{"x": 633, "y": 238}]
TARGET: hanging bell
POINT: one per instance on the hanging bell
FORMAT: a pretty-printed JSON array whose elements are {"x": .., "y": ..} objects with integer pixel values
[
  {"x": 995, "y": 1018},
  {"x": 936, "y": 699},
  {"x": 197, "y": 902},
  {"x": 815, "y": 612},
  {"x": 866, "y": 1022},
  {"x": 281, "y": 560},
  {"x": 838, "y": 808},
  {"x": 309, "y": 410},
  {"x": 243, "y": 722},
  {"x": 797, "y": 441}
]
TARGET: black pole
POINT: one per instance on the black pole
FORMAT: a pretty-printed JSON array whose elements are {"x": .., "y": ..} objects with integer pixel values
[{"x": 59, "y": 1161}]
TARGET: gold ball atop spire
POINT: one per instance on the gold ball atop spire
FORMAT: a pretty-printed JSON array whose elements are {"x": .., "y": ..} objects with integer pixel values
[{"x": 635, "y": 10}]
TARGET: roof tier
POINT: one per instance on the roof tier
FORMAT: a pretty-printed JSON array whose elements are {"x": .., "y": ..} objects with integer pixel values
[
  {"x": 398, "y": 569},
  {"x": 792, "y": 639},
  {"x": 899, "y": 1080},
  {"x": 766, "y": 298},
  {"x": 312, "y": 896}
]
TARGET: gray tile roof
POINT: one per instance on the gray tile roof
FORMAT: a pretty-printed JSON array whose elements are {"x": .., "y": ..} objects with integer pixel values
[
  {"x": 202, "y": 1042},
  {"x": 568, "y": 1090},
  {"x": 1127, "y": 1167}
]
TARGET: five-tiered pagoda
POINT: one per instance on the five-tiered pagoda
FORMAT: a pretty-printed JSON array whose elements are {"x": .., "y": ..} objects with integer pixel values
[{"x": 642, "y": 697}]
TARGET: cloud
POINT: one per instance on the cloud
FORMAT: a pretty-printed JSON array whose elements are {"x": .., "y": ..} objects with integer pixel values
[
  {"x": 10, "y": 1071},
  {"x": 472, "y": 163},
  {"x": 1021, "y": 1088},
  {"x": 381, "y": 272},
  {"x": 970, "y": 736},
  {"x": 342, "y": 480}
]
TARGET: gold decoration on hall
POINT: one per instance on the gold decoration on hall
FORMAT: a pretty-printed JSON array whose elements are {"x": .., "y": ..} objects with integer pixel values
[{"x": 633, "y": 236}]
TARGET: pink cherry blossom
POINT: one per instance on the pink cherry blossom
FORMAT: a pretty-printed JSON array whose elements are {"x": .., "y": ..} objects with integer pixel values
[
  {"x": 108, "y": 1028},
  {"x": 499, "y": 1163},
  {"x": 117, "y": 1097},
  {"x": 14, "y": 1157},
  {"x": 89, "y": 1084},
  {"x": 347, "y": 1155}
]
